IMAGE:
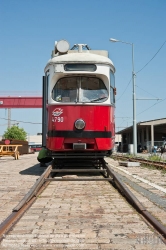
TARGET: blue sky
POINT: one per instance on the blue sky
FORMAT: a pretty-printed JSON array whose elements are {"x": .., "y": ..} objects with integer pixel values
[{"x": 28, "y": 29}]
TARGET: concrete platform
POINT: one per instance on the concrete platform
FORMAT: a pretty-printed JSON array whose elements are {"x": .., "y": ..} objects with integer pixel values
[{"x": 129, "y": 164}]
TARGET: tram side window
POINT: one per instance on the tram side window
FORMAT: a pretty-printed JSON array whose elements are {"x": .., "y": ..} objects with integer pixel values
[
  {"x": 48, "y": 79},
  {"x": 112, "y": 87}
]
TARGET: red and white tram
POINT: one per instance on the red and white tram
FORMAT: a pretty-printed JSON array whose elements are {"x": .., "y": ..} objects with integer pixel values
[{"x": 78, "y": 102}]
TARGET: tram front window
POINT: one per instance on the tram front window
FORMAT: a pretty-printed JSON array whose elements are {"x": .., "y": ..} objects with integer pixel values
[
  {"x": 80, "y": 89},
  {"x": 93, "y": 90},
  {"x": 65, "y": 90}
]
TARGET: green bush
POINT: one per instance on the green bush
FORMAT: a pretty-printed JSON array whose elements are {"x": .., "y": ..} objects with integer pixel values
[{"x": 15, "y": 133}]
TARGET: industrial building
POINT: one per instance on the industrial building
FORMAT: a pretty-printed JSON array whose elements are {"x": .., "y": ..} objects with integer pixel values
[{"x": 149, "y": 134}]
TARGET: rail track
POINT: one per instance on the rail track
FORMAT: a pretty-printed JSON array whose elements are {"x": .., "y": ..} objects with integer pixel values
[
  {"x": 157, "y": 164},
  {"x": 98, "y": 171}
]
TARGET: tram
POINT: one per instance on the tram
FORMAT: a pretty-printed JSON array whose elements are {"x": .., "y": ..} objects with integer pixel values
[{"x": 78, "y": 118}]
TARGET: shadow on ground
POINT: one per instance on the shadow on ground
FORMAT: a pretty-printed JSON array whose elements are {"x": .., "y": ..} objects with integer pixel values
[{"x": 33, "y": 170}]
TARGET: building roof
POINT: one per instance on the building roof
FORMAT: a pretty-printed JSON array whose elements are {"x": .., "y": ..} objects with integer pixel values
[
  {"x": 161, "y": 123},
  {"x": 154, "y": 122}
]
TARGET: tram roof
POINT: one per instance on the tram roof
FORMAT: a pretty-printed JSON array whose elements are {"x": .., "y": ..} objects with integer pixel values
[{"x": 89, "y": 56}]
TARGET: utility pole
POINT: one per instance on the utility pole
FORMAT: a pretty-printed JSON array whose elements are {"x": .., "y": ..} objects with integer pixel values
[
  {"x": 9, "y": 118},
  {"x": 134, "y": 97}
]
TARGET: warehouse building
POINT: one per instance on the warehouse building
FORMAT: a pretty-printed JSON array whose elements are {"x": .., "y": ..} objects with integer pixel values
[{"x": 149, "y": 134}]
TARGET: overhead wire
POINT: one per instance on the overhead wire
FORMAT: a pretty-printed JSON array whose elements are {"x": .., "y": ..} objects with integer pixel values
[
  {"x": 151, "y": 58},
  {"x": 124, "y": 90},
  {"x": 142, "y": 69},
  {"x": 151, "y": 106},
  {"x": 20, "y": 121},
  {"x": 146, "y": 91},
  {"x": 143, "y": 89},
  {"x": 143, "y": 111}
]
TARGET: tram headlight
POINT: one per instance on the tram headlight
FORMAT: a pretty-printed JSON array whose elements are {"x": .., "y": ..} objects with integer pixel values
[
  {"x": 79, "y": 124},
  {"x": 62, "y": 46}
]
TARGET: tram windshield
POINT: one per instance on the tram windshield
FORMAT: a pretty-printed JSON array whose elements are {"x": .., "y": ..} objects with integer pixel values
[{"x": 80, "y": 89}]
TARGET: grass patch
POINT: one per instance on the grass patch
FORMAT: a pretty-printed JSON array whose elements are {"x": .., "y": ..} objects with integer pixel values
[
  {"x": 149, "y": 166},
  {"x": 156, "y": 158},
  {"x": 163, "y": 170}
]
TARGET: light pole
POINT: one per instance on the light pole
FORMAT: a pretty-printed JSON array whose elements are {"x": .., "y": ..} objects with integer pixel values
[{"x": 134, "y": 97}]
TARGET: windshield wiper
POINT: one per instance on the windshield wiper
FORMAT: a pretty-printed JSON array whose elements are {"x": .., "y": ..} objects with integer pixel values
[{"x": 98, "y": 99}]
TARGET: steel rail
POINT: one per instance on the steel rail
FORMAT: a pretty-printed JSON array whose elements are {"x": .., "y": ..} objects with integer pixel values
[
  {"x": 10, "y": 221},
  {"x": 136, "y": 203},
  {"x": 145, "y": 161},
  {"x": 33, "y": 191},
  {"x": 123, "y": 189},
  {"x": 25, "y": 203}
]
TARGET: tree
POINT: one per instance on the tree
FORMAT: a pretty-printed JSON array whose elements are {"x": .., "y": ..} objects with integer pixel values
[{"x": 15, "y": 133}]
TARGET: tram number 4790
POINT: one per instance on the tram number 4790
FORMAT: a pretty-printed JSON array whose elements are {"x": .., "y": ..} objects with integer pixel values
[{"x": 57, "y": 119}]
